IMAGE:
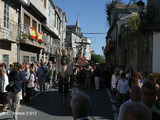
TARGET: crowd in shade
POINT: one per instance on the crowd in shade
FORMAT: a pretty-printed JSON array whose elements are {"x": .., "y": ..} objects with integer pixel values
[
  {"x": 128, "y": 88},
  {"x": 19, "y": 83}
]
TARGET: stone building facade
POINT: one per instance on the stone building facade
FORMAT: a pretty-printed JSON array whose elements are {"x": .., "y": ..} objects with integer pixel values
[
  {"x": 140, "y": 49},
  {"x": 8, "y": 31},
  {"x": 30, "y": 30},
  {"x": 135, "y": 50},
  {"x": 119, "y": 15},
  {"x": 31, "y": 18}
]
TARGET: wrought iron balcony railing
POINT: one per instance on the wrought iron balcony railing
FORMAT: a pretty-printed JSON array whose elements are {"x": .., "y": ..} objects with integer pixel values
[
  {"x": 8, "y": 30},
  {"x": 31, "y": 36}
]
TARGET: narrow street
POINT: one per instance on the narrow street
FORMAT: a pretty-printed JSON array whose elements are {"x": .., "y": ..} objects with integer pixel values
[{"x": 48, "y": 107}]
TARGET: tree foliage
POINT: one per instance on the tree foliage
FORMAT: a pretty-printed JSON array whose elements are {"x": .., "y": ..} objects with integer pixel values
[
  {"x": 97, "y": 58},
  {"x": 136, "y": 24},
  {"x": 108, "y": 13},
  {"x": 133, "y": 23},
  {"x": 108, "y": 10}
]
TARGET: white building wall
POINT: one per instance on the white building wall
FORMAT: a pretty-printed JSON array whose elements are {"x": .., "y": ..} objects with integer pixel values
[
  {"x": 40, "y": 6},
  {"x": 50, "y": 15},
  {"x": 87, "y": 54},
  {"x": 156, "y": 50}
]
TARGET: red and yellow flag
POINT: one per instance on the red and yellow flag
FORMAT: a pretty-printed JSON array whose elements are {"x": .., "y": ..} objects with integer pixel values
[
  {"x": 39, "y": 37},
  {"x": 32, "y": 33}
]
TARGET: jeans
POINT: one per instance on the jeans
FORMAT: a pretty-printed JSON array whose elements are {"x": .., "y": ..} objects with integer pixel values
[
  {"x": 123, "y": 98},
  {"x": 41, "y": 81}
]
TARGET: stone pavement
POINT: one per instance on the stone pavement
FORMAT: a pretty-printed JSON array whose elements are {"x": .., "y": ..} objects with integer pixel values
[{"x": 48, "y": 107}]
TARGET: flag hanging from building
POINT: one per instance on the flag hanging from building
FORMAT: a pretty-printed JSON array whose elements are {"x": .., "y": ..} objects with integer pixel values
[
  {"x": 32, "y": 33},
  {"x": 39, "y": 37}
]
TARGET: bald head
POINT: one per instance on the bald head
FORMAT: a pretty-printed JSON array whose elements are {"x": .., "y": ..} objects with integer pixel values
[
  {"x": 80, "y": 105},
  {"x": 135, "y": 93},
  {"x": 135, "y": 111}
]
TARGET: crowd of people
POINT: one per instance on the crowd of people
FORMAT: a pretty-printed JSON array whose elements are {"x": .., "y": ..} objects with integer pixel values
[
  {"x": 128, "y": 88},
  {"x": 20, "y": 81}
]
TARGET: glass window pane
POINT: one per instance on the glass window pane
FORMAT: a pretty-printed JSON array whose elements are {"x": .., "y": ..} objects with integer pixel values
[
  {"x": 32, "y": 59},
  {"x": 7, "y": 19},
  {"x": 6, "y": 60},
  {"x": 25, "y": 59},
  {"x": 5, "y": 5},
  {"x": 4, "y": 24},
  {"x": 4, "y": 18},
  {"x": 4, "y": 12},
  {"x": 7, "y": 25},
  {"x": 7, "y": 13}
]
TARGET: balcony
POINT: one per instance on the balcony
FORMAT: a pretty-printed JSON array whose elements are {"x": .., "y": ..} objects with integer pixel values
[
  {"x": 30, "y": 36},
  {"x": 8, "y": 31},
  {"x": 47, "y": 49},
  {"x": 24, "y": 2}
]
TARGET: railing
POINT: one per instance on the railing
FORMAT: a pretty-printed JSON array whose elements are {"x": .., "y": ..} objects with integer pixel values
[
  {"x": 31, "y": 35},
  {"x": 9, "y": 32}
]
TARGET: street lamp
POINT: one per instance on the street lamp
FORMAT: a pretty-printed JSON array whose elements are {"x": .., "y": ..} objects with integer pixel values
[{"x": 140, "y": 4}]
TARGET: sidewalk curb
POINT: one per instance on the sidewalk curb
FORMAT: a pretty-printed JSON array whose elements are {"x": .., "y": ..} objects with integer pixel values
[
  {"x": 36, "y": 95},
  {"x": 113, "y": 106}
]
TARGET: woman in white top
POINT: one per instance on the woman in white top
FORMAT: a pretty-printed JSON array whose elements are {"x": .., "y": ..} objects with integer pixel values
[
  {"x": 3, "y": 93},
  {"x": 30, "y": 87},
  {"x": 113, "y": 83}
]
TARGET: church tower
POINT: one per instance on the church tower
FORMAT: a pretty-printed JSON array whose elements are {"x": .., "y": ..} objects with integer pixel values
[{"x": 78, "y": 29}]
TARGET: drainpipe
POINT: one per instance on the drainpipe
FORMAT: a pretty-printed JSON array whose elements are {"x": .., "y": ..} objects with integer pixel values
[{"x": 19, "y": 32}]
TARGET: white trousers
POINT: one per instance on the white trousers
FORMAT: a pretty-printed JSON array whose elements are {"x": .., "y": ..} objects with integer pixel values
[{"x": 96, "y": 81}]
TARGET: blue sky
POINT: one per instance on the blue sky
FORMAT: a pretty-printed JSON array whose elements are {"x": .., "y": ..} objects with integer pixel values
[{"x": 92, "y": 18}]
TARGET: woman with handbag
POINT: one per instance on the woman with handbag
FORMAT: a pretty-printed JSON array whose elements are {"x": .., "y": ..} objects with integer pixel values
[{"x": 3, "y": 93}]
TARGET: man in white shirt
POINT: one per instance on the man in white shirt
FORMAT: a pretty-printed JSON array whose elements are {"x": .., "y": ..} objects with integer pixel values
[
  {"x": 135, "y": 96},
  {"x": 123, "y": 88}
]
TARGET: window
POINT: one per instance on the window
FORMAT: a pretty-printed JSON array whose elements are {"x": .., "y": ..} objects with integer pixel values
[
  {"x": 26, "y": 20},
  {"x": 25, "y": 59},
  {"x": 45, "y": 3},
  {"x": 57, "y": 23},
  {"x": 55, "y": 20},
  {"x": 32, "y": 59},
  {"x": 59, "y": 27},
  {"x": 34, "y": 24},
  {"x": 6, "y": 15},
  {"x": 39, "y": 27},
  {"x": 6, "y": 60}
]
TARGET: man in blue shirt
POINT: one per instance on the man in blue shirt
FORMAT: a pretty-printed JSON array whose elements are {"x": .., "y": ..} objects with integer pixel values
[
  {"x": 41, "y": 73},
  {"x": 16, "y": 78}
]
